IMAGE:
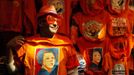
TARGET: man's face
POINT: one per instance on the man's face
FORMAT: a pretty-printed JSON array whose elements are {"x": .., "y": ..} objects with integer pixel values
[
  {"x": 48, "y": 26},
  {"x": 49, "y": 60},
  {"x": 52, "y": 22}
]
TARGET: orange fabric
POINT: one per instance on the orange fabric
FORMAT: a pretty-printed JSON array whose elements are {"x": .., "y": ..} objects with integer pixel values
[
  {"x": 86, "y": 46},
  {"x": 122, "y": 19},
  {"x": 118, "y": 52},
  {"x": 95, "y": 8},
  {"x": 92, "y": 17},
  {"x": 119, "y": 44},
  {"x": 30, "y": 19},
  {"x": 82, "y": 19},
  {"x": 131, "y": 20},
  {"x": 95, "y": 17},
  {"x": 128, "y": 21},
  {"x": 109, "y": 64},
  {"x": 89, "y": 72},
  {"x": 133, "y": 41},
  {"x": 11, "y": 15},
  {"x": 74, "y": 34},
  {"x": 119, "y": 47},
  {"x": 66, "y": 54},
  {"x": 112, "y": 11},
  {"x": 16, "y": 13},
  {"x": 131, "y": 63}
]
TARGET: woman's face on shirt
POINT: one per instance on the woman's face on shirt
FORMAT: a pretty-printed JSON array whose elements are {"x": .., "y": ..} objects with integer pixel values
[
  {"x": 49, "y": 60},
  {"x": 96, "y": 57}
]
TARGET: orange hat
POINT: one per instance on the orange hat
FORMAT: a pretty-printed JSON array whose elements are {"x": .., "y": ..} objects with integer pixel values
[{"x": 48, "y": 9}]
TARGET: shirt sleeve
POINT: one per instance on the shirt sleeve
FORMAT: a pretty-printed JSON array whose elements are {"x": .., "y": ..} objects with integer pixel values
[
  {"x": 107, "y": 62},
  {"x": 72, "y": 61}
]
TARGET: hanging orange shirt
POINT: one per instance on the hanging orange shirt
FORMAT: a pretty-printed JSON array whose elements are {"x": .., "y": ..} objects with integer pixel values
[
  {"x": 92, "y": 23},
  {"x": 113, "y": 66},
  {"x": 120, "y": 37},
  {"x": 119, "y": 50},
  {"x": 121, "y": 18},
  {"x": 18, "y": 13},
  {"x": 86, "y": 48}
]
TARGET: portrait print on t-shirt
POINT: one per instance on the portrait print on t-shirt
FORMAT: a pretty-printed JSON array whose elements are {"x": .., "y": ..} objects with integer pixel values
[
  {"x": 96, "y": 59},
  {"x": 46, "y": 61}
]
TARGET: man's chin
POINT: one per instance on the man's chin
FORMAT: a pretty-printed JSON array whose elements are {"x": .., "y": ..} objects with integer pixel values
[{"x": 54, "y": 32}]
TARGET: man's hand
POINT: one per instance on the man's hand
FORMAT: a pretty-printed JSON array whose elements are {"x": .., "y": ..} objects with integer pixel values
[{"x": 16, "y": 41}]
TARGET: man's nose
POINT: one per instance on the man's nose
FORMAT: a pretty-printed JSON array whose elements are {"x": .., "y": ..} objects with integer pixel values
[
  {"x": 54, "y": 25},
  {"x": 55, "y": 22}
]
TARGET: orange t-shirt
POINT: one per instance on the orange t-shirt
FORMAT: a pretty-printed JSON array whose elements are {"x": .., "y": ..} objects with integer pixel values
[
  {"x": 86, "y": 48},
  {"x": 60, "y": 56},
  {"x": 113, "y": 66}
]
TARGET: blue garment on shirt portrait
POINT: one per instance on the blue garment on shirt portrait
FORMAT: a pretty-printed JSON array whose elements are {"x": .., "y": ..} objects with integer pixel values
[
  {"x": 45, "y": 72},
  {"x": 94, "y": 67}
]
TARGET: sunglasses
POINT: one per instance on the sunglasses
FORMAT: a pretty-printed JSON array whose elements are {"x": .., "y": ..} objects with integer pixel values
[{"x": 51, "y": 19}]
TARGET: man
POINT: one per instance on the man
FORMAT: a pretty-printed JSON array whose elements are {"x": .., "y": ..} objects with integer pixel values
[{"x": 48, "y": 39}]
